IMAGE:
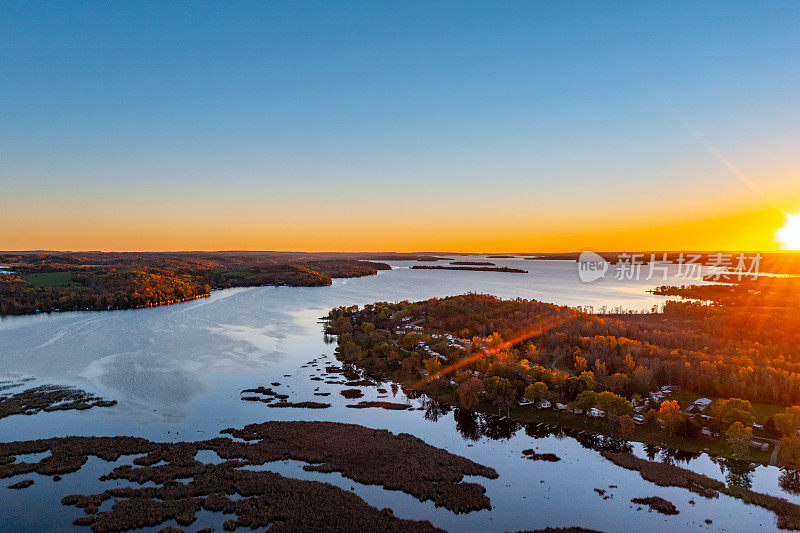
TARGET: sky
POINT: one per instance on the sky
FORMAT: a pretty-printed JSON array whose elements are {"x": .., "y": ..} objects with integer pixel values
[{"x": 398, "y": 126}]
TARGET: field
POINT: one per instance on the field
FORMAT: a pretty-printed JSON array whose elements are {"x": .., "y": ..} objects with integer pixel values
[{"x": 50, "y": 279}]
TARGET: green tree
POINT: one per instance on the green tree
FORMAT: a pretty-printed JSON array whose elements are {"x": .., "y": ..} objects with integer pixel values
[
  {"x": 586, "y": 400},
  {"x": 790, "y": 450},
  {"x": 734, "y": 410},
  {"x": 614, "y": 404},
  {"x": 739, "y": 436},
  {"x": 500, "y": 391},
  {"x": 788, "y": 422},
  {"x": 537, "y": 392}
]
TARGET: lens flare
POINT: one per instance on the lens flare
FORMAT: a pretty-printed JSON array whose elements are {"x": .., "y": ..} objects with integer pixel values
[{"x": 789, "y": 234}]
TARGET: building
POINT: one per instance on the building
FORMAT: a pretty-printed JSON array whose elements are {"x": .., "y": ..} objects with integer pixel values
[
  {"x": 638, "y": 419},
  {"x": 763, "y": 446},
  {"x": 561, "y": 406},
  {"x": 596, "y": 413},
  {"x": 544, "y": 404},
  {"x": 700, "y": 404}
]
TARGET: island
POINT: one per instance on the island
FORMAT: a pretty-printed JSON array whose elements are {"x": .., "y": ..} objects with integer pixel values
[
  {"x": 48, "y": 282},
  {"x": 698, "y": 376},
  {"x": 473, "y": 268}
]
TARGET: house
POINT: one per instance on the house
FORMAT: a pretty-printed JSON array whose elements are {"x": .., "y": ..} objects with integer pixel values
[
  {"x": 544, "y": 404},
  {"x": 596, "y": 413},
  {"x": 763, "y": 446},
  {"x": 638, "y": 419},
  {"x": 700, "y": 404},
  {"x": 640, "y": 409},
  {"x": 561, "y": 406},
  {"x": 657, "y": 396},
  {"x": 706, "y": 432}
]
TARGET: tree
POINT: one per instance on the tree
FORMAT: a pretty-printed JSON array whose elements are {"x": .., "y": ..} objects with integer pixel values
[
  {"x": 734, "y": 410},
  {"x": 412, "y": 339},
  {"x": 788, "y": 422},
  {"x": 469, "y": 392},
  {"x": 586, "y": 400},
  {"x": 537, "y": 392},
  {"x": 642, "y": 379},
  {"x": 651, "y": 418},
  {"x": 432, "y": 365},
  {"x": 670, "y": 415},
  {"x": 739, "y": 437},
  {"x": 625, "y": 427},
  {"x": 500, "y": 391},
  {"x": 790, "y": 450},
  {"x": 600, "y": 370},
  {"x": 588, "y": 379},
  {"x": 614, "y": 404},
  {"x": 630, "y": 364},
  {"x": 618, "y": 383},
  {"x": 580, "y": 364}
]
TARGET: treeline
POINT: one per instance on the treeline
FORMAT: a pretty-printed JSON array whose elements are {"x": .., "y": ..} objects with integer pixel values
[
  {"x": 45, "y": 283},
  {"x": 714, "y": 351},
  {"x": 98, "y": 289},
  {"x": 476, "y": 268}
]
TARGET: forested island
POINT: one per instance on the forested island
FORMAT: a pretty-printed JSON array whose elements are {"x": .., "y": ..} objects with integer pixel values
[
  {"x": 722, "y": 377},
  {"x": 100, "y": 281},
  {"x": 474, "y": 268}
]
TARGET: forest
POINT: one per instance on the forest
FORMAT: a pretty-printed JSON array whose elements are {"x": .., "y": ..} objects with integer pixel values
[
  {"x": 99, "y": 281},
  {"x": 477, "y": 349}
]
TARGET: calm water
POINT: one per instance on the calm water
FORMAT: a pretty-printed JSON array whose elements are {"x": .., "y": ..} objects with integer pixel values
[{"x": 177, "y": 373}]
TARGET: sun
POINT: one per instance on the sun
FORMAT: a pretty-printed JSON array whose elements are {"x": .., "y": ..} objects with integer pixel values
[{"x": 789, "y": 234}]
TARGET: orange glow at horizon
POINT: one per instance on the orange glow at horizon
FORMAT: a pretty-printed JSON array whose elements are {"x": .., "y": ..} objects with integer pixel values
[{"x": 376, "y": 229}]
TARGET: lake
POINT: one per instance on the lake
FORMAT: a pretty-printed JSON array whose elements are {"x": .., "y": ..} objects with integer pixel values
[{"x": 177, "y": 372}]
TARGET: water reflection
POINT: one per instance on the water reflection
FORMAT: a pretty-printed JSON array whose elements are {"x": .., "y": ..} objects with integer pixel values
[
  {"x": 736, "y": 472},
  {"x": 789, "y": 481}
]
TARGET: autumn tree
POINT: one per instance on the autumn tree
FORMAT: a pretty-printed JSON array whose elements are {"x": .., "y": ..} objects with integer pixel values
[
  {"x": 630, "y": 364},
  {"x": 642, "y": 379},
  {"x": 670, "y": 415},
  {"x": 469, "y": 392},
  {"x": 626, "y": 427},
  {"x": 588, "y": 379},
  {"x": 432, "y": 365}
]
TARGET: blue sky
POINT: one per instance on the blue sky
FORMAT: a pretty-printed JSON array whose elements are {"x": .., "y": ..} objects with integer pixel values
[{"x": 525, "y": 106}]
